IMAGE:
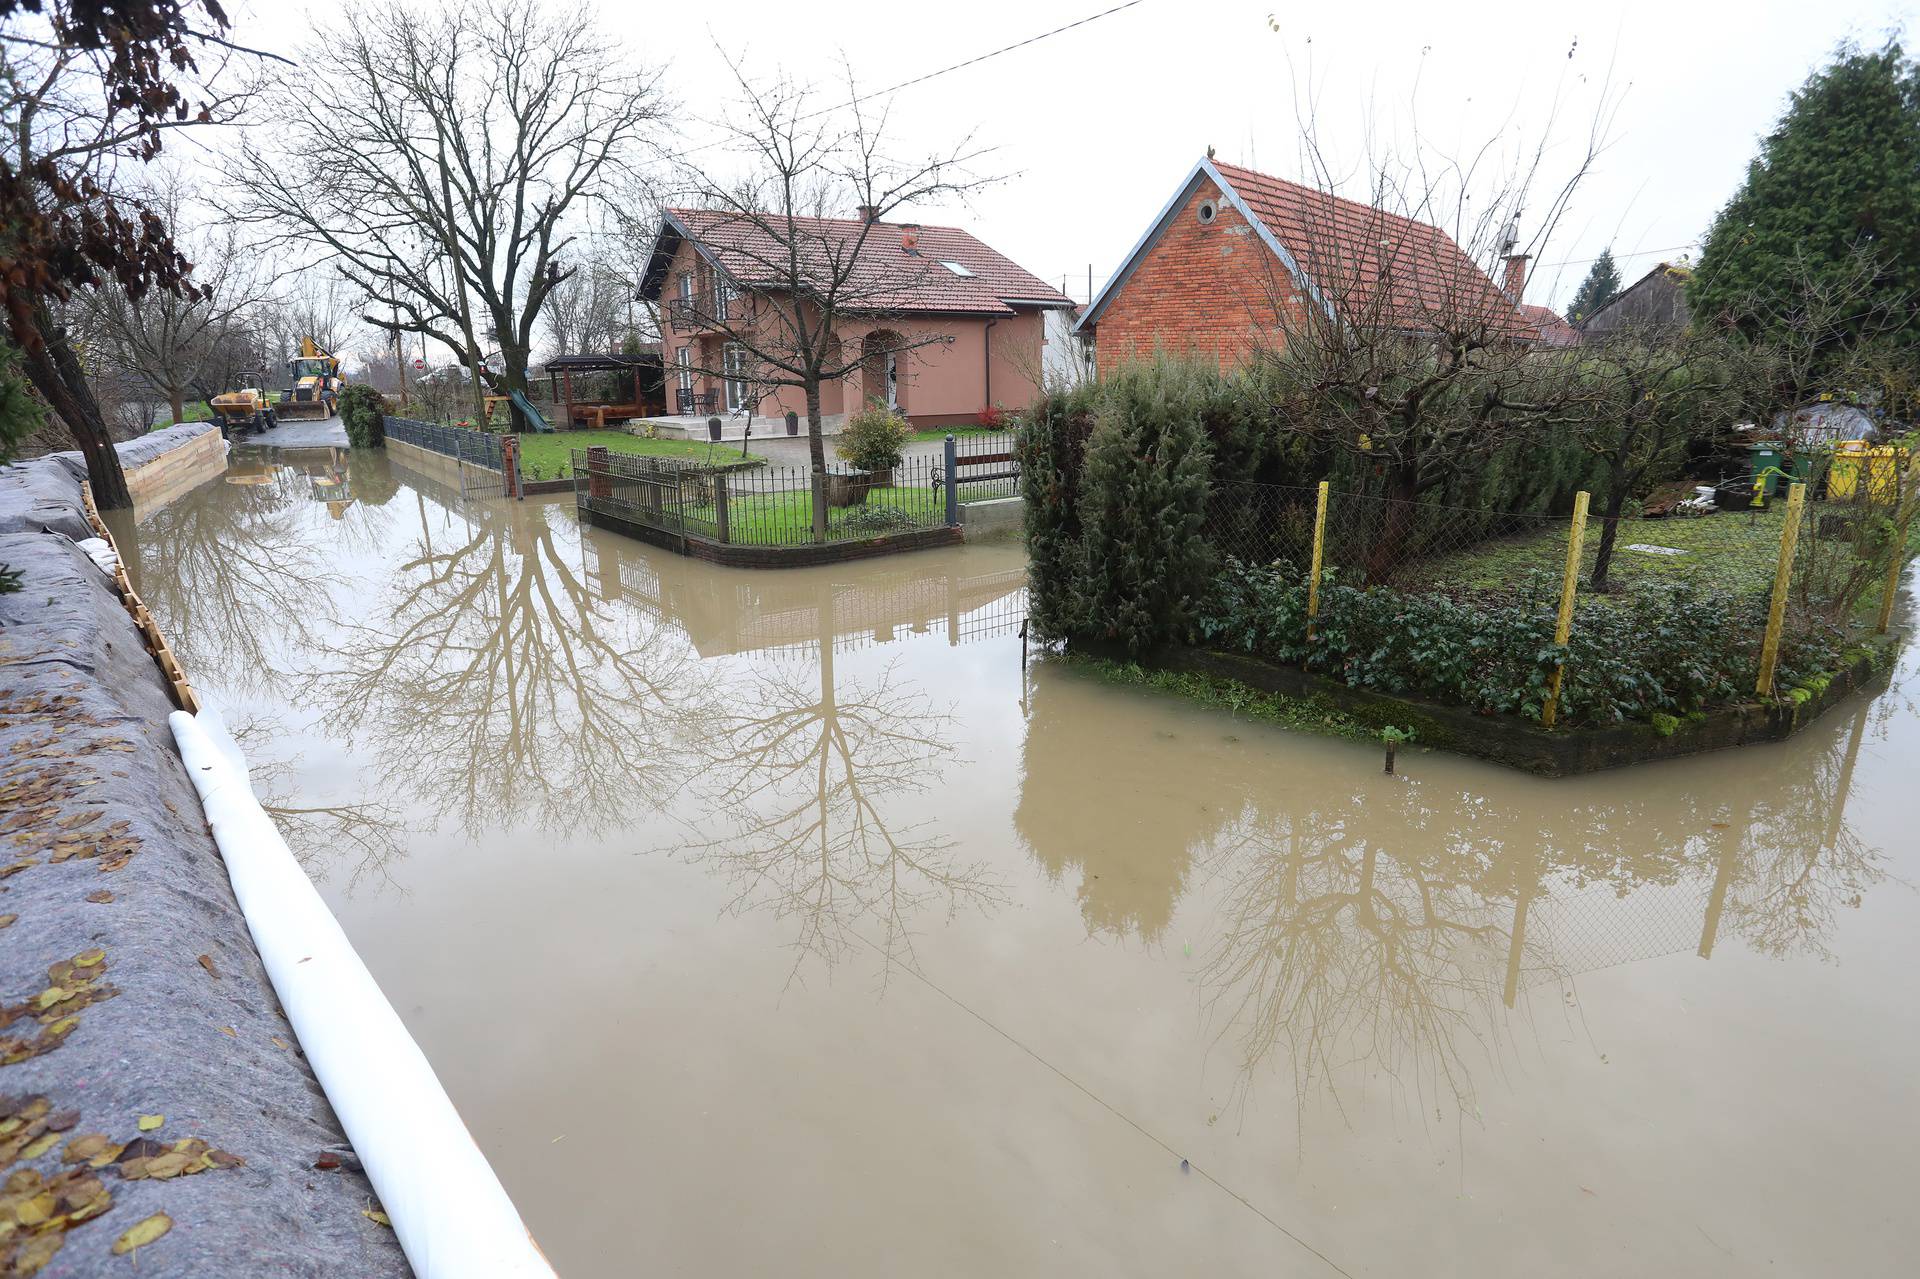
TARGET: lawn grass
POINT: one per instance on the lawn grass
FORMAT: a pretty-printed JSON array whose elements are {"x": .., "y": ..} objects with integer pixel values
[
  {"x": 937, "y": 433},
  {"x": 785, "y": 518},
  {"x": 1730, "y": 550},
  {"x": 197, "y": 411},
  {"x": 548, "y": 456}
]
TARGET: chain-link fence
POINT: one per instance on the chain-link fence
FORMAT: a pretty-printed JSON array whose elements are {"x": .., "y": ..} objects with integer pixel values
[{"x": 1717, "y": 588}]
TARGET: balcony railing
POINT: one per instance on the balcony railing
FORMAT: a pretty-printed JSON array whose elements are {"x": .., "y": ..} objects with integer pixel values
[{"x": 707, "y": 310}]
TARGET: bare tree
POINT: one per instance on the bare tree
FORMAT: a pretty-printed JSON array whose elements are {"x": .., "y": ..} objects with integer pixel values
[
  {"x": 1647, "y": 396},
  {"x": 167, "y": 339},
  {"x": 590, "y": 311},
  {"x": 444, "y": 160},
  {"x": 85, "y": 90},
  {"x": 805, "y": 260},
  {"x": 1395, "y": 321}
]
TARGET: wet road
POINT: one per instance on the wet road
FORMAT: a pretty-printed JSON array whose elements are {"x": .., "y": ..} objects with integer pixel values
[{"x": 780, "y": 922}]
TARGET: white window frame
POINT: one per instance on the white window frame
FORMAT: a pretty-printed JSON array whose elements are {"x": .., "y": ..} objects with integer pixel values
[
  {"x": 722, "y": 296},
  {"x": 686, "y": 286},
  {"x": 733, "y": 363},
  {"x": 683, "y": 366}
]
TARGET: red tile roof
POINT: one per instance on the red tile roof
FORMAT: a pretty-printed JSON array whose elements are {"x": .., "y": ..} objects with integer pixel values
[
  {"x": 1548, "y": 324},
  {"x": 1372, "y": 265},
  {"x": 752, "y": 249}
]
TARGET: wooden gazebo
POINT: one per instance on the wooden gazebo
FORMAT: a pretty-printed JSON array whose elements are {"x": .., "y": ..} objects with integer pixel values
[{"x": 645, "y": 381}]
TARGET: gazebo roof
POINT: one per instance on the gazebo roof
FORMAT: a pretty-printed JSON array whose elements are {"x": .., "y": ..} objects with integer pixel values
[{"x": 602, "y": 363}]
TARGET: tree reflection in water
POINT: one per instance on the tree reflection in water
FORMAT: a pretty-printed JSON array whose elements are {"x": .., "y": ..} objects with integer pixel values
[
  {"x": 367, "y": 838},
  {"x": 811, "y": 780},
  {"x": 234, "y": 574},
  {"x": 1395, "y": 928},
  {"x": 492, "y": 684}
]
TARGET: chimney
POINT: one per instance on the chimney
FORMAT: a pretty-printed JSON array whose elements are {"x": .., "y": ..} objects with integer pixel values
[
  {"x": 1514, "y": 278},
  {"x": 868, "y": 213},
  {"x": 910, "y": 239}
]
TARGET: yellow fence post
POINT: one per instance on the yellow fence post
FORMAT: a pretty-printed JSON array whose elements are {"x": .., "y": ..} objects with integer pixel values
[
  {"x": 1319, "y": 545},
  {"x": 1563, "y": 628},
  {"x": 1902, "y": 524},
  {"x": 1782, "y": 577}
]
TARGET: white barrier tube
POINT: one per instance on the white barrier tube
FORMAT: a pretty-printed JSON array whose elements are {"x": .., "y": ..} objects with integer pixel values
[{"x": 452, "y": 1216}]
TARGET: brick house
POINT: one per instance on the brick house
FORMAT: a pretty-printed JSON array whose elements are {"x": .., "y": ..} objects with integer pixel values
[
  {"x": 1235, "y": 259},
  {"x": 948, "y": 325}
]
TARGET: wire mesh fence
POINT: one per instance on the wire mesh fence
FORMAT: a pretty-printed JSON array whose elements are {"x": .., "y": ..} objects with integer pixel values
[
  {"x": 478, "y": 448},
  {"x": 1728, "y": 587},
  {"x": 765, "y": 506}
]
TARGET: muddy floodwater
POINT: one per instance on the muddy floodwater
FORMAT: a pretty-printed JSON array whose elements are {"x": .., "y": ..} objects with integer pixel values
[{"x": 781, "y": 923}]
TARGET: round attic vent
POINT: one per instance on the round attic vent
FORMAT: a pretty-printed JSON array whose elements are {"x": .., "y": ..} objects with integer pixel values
[{"x": 1208, "y": 211}]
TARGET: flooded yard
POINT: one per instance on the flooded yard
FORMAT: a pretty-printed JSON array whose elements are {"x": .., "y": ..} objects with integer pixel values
[{"x": 780, "y": 922}]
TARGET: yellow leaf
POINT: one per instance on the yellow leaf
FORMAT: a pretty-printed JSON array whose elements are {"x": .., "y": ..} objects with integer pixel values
[
  {"x": 40, "y": 1145},
  {"x": 88, "y": 958},
  {"x": 375, "y": 1215},
  {"x": 228, "y": 1030},
  {"x": 149, "y": 1122},
  {"x": 143, "y": 1234}
]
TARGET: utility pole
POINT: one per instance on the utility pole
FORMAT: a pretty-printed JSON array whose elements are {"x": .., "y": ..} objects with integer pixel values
[{"x": 399, "y": 359}]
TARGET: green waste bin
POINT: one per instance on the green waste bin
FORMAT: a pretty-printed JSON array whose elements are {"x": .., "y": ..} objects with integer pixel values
[{"x": 1772, "y": 467}]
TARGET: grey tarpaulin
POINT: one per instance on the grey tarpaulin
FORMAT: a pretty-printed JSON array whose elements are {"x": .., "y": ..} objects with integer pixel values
[{"x": 84, "y": 747}]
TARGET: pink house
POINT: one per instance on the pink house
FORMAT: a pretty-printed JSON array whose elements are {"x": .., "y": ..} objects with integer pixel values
[{"x": 935, "y": 323}]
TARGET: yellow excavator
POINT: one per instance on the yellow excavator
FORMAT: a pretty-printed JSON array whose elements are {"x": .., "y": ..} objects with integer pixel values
[{"x": 316, "y": 384}]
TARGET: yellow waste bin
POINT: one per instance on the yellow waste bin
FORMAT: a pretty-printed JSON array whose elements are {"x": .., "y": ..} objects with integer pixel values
[{"x": 1863, "y": 472}]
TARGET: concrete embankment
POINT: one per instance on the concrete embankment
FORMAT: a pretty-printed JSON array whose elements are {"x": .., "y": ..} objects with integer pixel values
[{"x": 147, "y": 1075}]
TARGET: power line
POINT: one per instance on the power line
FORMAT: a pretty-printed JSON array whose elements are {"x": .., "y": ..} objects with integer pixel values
[
  {"x": 1643, "y": 253},
  {"x": 948, "y": 70}
]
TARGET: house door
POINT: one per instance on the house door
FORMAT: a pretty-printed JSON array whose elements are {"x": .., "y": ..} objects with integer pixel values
[{"x": 734, "y": 363}]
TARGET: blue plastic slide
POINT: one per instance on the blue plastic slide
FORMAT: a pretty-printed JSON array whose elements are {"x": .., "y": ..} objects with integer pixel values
[{"x": 533, "y": 415}]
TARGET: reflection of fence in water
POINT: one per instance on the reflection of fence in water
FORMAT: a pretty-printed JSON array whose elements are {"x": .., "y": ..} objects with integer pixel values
[
  {"x": 864, "y": 616},
  {"x": 1597, "y": 927}
]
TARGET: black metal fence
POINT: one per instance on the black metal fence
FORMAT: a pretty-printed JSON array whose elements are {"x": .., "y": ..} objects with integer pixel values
[
  {"x": 478, "y": 448},
  {"x": 766, "y": 506},
  {"x": 985, "y": 467}
]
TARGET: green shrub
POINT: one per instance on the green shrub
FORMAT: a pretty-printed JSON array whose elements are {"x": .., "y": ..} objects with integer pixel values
[
  {"x": 874, "y": 439},
  {"x": 1051, "y": 447},
  {"x": 1143, "y": 563},
  {"x": 363, "y": 411},
  {"x": 1667, "y": 650}
]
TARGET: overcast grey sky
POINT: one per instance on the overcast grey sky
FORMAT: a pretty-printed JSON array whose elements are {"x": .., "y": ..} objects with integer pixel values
[{"x": 1094, "y": 127}]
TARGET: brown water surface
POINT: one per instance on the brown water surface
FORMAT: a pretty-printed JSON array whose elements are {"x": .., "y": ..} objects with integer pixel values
[{"x": 779, "y": 922}]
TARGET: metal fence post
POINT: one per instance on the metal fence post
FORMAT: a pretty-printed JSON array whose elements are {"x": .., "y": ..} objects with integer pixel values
[
  {"x": 950, "y": 460},
  {"x": 1319, "y": 544},
  {"x": 720, "y": 506},
  {"x": 1902, "y": 525},
  {"x": 1782, "y": 578},
  {"x": 1563, "y": 627}
]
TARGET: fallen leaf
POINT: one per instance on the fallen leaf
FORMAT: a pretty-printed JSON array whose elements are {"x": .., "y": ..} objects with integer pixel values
[
  {"x": 149, "y": 1122},
  {"x": 327, "y": 1161},
  {"x": 230, "y": 1031},
  {"x": 5, "y": 920},
  {"x": 281, "y": 1043},
  {"x": 40, "y": 1145},
  {"x": 206, "y": 962},
  {"x": 143, "y": 1234},
  {"x": 375, "y": 1215},
  {"x": 89, "y": 958},
  {"x": 86, "y": 1146},
  {"x": 63, "y": 1121},
  {"x": 101, "y": 897},
  {"x": 161, "y": 1167}
]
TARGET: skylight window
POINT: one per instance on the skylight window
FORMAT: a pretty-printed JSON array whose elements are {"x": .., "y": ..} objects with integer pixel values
[{"x": 957, "y": 269}]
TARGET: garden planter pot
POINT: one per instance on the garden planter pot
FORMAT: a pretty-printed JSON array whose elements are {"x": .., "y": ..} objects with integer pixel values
[
  {"x": 793, "y": 423},
  {"x": 849, "y": 488}
]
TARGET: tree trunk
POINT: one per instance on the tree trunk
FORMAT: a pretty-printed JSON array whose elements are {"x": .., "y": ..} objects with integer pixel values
[
  {"x": 56, "y": 374},
  {"x": 817, "y": 453},
  {"x": 515, "y": 379},
  {"x": 177, "y": 400},
  {"x": 1390, "y": 543},
  {"x": 1609, "y": 531}
]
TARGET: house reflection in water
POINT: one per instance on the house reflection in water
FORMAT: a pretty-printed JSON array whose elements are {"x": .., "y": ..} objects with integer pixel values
[{"x": 728, "y": 611}]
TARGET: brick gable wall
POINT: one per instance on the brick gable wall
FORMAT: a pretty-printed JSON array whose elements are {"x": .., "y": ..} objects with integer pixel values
[{"x": 1207, "y": 290}]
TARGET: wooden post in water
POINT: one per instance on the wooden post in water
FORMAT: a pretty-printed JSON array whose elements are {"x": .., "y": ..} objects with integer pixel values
[
  {"x": 1782, "y": 578},
  {"x": 1569, "y": 583},
  {"x": 1319, "y": 545}
]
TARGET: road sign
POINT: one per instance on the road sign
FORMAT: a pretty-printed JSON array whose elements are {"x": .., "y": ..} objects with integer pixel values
[{"x": 418, "y": 364}]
